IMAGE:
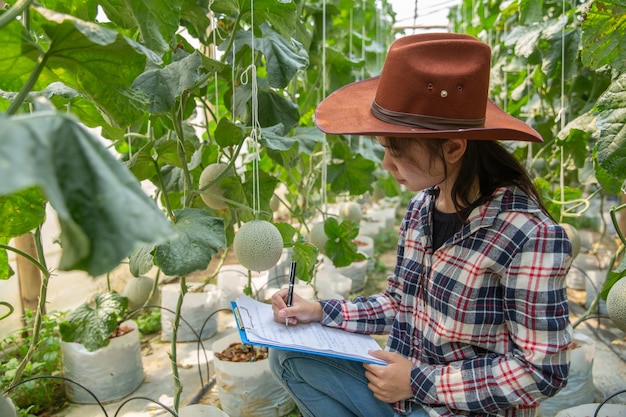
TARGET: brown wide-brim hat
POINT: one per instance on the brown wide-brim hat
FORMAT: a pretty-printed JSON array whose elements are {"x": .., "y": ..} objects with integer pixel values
[{"x": 433, "y": 85}]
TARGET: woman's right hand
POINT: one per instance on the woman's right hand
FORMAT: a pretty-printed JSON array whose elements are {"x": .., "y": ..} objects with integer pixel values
[{"x": 301, "y": 310}]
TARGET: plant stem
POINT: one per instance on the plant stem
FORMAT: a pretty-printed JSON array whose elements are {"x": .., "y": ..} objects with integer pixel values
[
  {"x": 613, "y": 212},
  {"x": 596, "y": 300},
  {"x": 43, "y": 294},
  {"x": 13, "y": 12},
  {"x": 28, "y": 86},
  {"x": 178, "y": 388}
]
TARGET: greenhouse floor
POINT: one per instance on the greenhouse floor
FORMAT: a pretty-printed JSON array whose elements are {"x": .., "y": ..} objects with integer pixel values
[{"x": 609, "y": 370}]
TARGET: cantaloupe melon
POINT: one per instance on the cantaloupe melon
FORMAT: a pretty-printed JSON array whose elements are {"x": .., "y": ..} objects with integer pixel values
[
  {"x": 137, "y": 290},
  {"x": 210, "y": 195},
  {"x": 616, "y": 303},
  {"x": 350, "y": 211},
  {"x": 258, "y": 245},
  {"x": 317, "y": 236}
]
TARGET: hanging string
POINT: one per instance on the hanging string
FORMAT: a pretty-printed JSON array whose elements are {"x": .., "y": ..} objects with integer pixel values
[
  {"x": 415, "y": 18},
  {"x": 562, "y": 112},
  {"x": 214, "y": 56},
  {"x": 350, "y": 36},
  {"x": 254, "y": 134},
  {"x": 364, "y": 8},
  {"x": 324, "y": 178}
]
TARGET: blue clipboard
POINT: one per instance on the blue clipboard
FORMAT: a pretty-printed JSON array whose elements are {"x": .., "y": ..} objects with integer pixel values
[{"x": 244, "y": 339}]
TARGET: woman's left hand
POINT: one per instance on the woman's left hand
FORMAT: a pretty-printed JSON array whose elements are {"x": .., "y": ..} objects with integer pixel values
[{"x": 391, "y": 382}]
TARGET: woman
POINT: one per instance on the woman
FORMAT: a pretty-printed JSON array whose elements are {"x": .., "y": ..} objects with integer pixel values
[{"x": 476, "y": 309}]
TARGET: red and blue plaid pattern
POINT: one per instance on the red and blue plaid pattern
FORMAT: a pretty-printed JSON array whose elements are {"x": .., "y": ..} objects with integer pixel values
[{"x": 484, "y": 318}]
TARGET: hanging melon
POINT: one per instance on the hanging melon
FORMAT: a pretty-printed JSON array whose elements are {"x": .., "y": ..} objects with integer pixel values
[
  {"x": 211, "y": 195},
  {"x": 137, "y": 290},
  {"x": 258, "y": 245},
  {"x": 350, "y": 211}
]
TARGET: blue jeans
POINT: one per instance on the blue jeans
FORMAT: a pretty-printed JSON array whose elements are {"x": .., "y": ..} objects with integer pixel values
[{"x": 323, "y": 386}]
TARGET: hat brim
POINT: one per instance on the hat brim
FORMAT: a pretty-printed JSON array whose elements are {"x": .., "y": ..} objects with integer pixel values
[{"x": 347, "y": 112}]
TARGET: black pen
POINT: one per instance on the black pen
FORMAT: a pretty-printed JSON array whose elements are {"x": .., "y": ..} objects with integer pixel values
[{"x": 292, "y": 280}]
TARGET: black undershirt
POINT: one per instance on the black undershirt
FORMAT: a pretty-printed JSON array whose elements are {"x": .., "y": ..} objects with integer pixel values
[{"x": 444, "y": 226}]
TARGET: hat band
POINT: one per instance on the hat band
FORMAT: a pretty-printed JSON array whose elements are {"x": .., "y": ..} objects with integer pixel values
[{"x": 419, "y": 120}]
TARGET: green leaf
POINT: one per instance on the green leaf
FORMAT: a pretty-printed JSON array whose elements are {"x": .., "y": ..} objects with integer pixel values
[
  {"x": 611, "y": 113},
  {"x": 19, "y": 54},
  {"x": 141, "y": 261},
  {"x": 281, "y": 14},
  {"x": 550, "y": 47},
  {"x": 354, "y": 174},
  {"x": 308, "y": 138},
  {"x": 340, "y": 246},
  {"x": 103, "y": 212},
  {"x": 287, "y": 231},
  {"x": 167, "y": 151},
  {"x": 93, "y": 326},
  {"x": 21, "y": 212},
  {"x": 228, "y": 133},
  {"x": 97, "y": 62},
  {"x": 199, "y": 236},
  {"x": 272, "y": 138},
  {"x": 530, "y": 11},
  {"x": 602, "y": 37},
  {"x": 157, "y": 20},
  {"x": 195, "y": 17},
  {"x": 5, "y": 268},
  {"x": 268, "y": 184},
  {"x": 82, "y": 9},
  {"x": 277, "y": 110},
  {"x": 305, "y": 255},
  {"x": 283, "y": 58},
  {"x": 164, "y": 86}
]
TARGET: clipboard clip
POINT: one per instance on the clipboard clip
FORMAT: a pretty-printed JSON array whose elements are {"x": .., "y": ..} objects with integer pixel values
[{"x": 237, "y": 312}]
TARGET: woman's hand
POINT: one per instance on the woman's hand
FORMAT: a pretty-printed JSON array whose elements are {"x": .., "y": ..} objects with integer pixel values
[
  {"x": 391, "y": 382},
  {"x": 301, "y": 310}
]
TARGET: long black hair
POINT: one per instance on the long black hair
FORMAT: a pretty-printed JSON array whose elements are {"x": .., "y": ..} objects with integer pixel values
[{"x": 487, "y": 160}]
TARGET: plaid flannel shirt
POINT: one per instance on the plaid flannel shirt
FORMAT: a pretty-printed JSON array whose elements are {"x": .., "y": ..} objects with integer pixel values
[{"x": 484, "y": 318}]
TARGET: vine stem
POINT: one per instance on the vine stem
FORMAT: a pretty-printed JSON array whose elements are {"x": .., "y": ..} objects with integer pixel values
[
  {"x": 14, "y": 12},
  {"x": 28, "y": 86},
  {"x": 178, "y": 388},
  {"x": 41, "y": 307}
]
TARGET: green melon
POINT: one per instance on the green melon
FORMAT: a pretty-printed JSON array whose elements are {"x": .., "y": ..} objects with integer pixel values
[
  {"x": 137, "y": 290},
  {"x": 350, "y": 211},
  {"x": 317, "y": 236},
  {"x": 258, "y": 245},
  {"x": 211, "y": 194},
  {"x": 616, "y": 304}
]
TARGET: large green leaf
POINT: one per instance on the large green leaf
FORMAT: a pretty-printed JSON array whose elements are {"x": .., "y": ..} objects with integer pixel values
[
  {"x": 97, "y": 62},
  {"x": 340, "y": 246},
  {"x": 83, "y": 9},
  {"x": 603, "y": 35},
  {"x": 611, "y": 107},
  {"x": 157, "y": 20},
  {"x": 354, "y": 174},
  {"x": 92, "y": 326},
  {"x": 199, "y": 236},
  {"x": 103, "y": 212},
  {"x": 164, "y": 86},
  {"x": 284, "y": 58},
  {"x": 228, "y": 133},
  {"x": 281, "y": 14},
  {"x": 64, "y": 97},
  {"x": 195, "y": 17},
  {"x": 308, "y": 138}
]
